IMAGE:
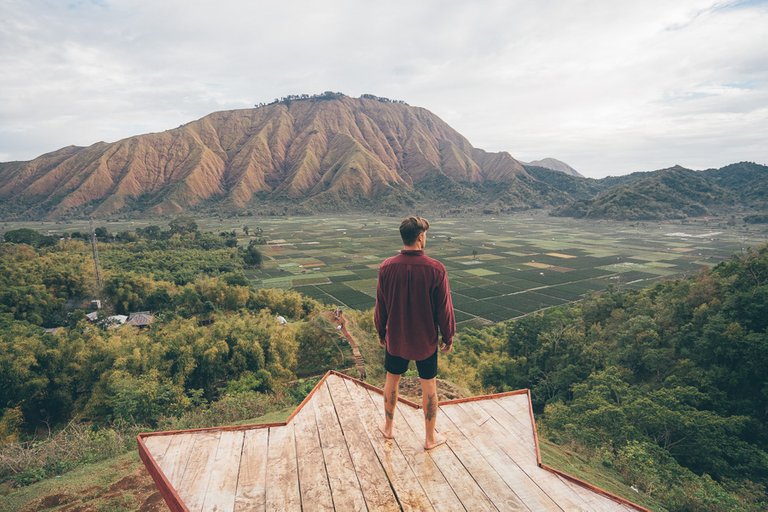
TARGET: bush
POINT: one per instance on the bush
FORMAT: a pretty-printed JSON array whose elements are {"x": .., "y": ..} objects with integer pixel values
[
  {"x": 24, "y": 463},
  {"x": 228, "y": 410},
  {"x": 319, "y": 348},
  {"x": 252, "y": 255},
  {"x": 141, "y": 399},
  {"x": 287, "y": 303},
  {"x": 260, "y": 381},
  {"x": 302, "y": 388},
  {"x": 29, "y": 237}
]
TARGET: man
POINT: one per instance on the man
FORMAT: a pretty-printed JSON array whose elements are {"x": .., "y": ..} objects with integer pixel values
[{"x": 413, "y": 300}]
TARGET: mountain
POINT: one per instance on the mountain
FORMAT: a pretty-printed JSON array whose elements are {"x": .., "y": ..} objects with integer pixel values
[
  {"x": 675, "y": 193},
  {"x": 570, "y": 187},
  {"x": 555, "y": 165},
  {"x": 331, "y": 152},
  {"x": 315, "y": 152},
  {"x": 746, "y": 179}
]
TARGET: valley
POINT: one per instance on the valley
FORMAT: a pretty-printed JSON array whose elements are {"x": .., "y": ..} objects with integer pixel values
[
  {"x": 500, "y": 267},
  {"x": 216, "y": 354}
]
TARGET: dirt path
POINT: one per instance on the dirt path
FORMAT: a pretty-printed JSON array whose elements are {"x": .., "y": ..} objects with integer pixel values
[{"x": 341, "y": 321}]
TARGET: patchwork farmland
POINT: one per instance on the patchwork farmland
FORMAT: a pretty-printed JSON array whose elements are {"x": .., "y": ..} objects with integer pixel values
[{"x": 499, "y": 268}]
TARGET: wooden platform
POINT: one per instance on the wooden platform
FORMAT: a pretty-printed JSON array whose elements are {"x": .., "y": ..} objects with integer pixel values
[{"x": 330, "y": 455}]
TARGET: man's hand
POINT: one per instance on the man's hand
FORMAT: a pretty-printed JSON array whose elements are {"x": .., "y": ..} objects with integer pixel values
[
  {"x": 383, "y": 343},
  {"x": 445, "y": 348}
]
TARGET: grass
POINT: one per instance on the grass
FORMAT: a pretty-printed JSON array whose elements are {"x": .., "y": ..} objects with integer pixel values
[
  {"x": 99, "y": 485},
  {"x": 595, "y": 473}
]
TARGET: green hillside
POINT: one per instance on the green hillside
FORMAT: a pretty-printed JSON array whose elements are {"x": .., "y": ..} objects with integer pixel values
[{"x": 675, "y": 193}]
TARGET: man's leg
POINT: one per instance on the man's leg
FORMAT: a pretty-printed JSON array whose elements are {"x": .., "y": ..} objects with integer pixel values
[
  {"x": 390, "y": 401},
  {"x": 429, "y": 402}
]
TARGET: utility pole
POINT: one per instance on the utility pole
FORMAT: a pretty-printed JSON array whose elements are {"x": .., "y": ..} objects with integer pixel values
[{"x": 96, "y": 263}]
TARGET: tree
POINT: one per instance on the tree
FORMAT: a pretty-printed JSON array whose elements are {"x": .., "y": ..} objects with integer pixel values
[
  {"x": 183, "y": 225},
  {"x": 128, "y": 291},
  {"x": 29, "y": 237},
  {"x": 101, "y": 233},
  {"x": 151, "y": 232},
  {"x": 252, "y": 256}
]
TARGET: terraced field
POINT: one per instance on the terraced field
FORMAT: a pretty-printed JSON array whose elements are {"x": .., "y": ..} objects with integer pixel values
[{"x": 499, "y": 268}]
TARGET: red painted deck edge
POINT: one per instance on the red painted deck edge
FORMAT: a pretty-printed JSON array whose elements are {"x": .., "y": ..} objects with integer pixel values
[
  {"x": 483, "y": 397},
  {"x": 572, "y": 478},
  {"x": 533, "y": 424},
  {"x": 594, "y": 488},
  {"x": 167, "y": 491}
]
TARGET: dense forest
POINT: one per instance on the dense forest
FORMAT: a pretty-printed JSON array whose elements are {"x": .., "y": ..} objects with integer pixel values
[{"x": 665, "y": 385}]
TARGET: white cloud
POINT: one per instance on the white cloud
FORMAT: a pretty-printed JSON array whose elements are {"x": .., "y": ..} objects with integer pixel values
[{"x": 609, "y": 87}]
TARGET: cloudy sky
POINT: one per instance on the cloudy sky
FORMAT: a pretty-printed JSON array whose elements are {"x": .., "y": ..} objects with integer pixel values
[{"x": 607, "y": 86}]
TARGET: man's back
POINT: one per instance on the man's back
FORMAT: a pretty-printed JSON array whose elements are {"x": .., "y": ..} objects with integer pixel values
[{"x": 412, "y": 300}]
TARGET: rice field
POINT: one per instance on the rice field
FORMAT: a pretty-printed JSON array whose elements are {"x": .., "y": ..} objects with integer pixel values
[{"x": 499, "y": 267}]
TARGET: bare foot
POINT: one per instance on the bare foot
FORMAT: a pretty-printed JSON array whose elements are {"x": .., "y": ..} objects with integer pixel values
[
  {"x": 439, "y": 439},
  {"x": 386, "y": 433}
]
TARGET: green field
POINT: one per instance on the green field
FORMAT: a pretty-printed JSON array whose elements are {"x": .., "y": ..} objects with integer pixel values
[{"x": 499, "y": 267}]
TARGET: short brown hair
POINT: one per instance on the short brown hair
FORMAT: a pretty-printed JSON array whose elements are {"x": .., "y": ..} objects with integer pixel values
[{"x": 411, "y": 228}]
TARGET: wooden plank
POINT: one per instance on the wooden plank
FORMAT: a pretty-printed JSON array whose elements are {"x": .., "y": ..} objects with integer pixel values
[
  {"x": 373, "y": 480},
  {"x": 512, "y": 444},
  {"x": 252, "y": 479},
  {"x": 313, "y": 478},
  {"x": 220, "y": 495},
  {"x": 403, "y": 481},
  {"x": 513, "y": 475},
  {"x": 282, "y": 474},
  {"x": 465, "y": 487},
  {"x": 345, "y": 487},
  {"x": 176, "y": 457},
  {"x": 489, "y": 480},
  {"x": 194, "y": 483},
  {"x": 519, "y": 425},
  {"x": 592, "y": 500},
  {"x": 157, "y": 446},
  {"x": 431, "y": 479},
  {"x": 517, "y": 408}
]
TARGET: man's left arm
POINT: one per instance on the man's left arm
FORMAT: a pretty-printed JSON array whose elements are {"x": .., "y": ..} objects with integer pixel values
[{"x": 380, "y": 314}]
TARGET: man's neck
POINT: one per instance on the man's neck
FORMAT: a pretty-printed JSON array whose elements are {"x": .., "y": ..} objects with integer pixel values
[{"x": 413, "y": 248}]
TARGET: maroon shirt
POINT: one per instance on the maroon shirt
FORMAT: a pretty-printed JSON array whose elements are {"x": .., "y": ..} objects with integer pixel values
[{"x": 413, "y": 299}]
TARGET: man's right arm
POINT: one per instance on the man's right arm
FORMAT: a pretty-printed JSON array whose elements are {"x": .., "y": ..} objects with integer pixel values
[{"x": 380, "y": 313}]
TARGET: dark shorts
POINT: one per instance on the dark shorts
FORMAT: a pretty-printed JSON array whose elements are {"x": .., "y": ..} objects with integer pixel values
[{"x": 397, "y": 365}]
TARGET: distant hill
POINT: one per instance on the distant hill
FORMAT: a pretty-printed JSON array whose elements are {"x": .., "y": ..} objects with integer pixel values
[
  {"x": 747, "y": 180},
  {"x": 555, "y": 165},
  {"x": 329, "y": 153},
  {"x": 676, "y": 193},
  {"x": 324, "y": 152}
]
